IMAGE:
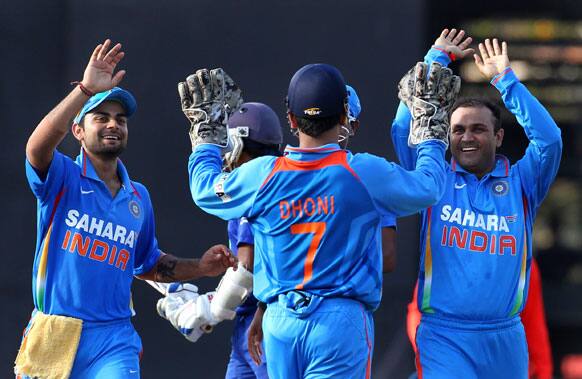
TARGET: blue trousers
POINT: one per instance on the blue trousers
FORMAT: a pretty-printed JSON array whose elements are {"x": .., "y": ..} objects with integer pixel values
[
  {"x": 107, "y": 350},
  {"x": 318, "y": 338},
  {"x": 241, "y": 365},
  {"x": 451, "y": 349}
]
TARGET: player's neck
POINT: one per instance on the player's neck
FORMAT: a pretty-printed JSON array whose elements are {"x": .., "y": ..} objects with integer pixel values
[
  {"x": 106, "y": 170},
  {"x": 327, "y": 137}
]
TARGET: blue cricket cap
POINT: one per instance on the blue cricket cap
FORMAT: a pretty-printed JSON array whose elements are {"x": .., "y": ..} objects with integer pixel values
[
  {"x": 354, "y": 106},
  {"x": 124, "y": 97},
  {"x": 317, "y": 91}
]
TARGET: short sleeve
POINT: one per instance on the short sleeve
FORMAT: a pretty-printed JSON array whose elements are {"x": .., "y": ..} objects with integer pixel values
[{"x": 49, "y": 186}]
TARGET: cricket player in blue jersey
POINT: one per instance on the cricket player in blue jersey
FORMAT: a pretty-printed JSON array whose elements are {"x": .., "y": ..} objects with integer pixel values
[
  {"x": 253, "y": 131},
  {"x": 95, "y": 232},
  {"x": 476, "y": 241},
  {"x": 315, "y": 214},
  {"x": 388, "y": 225}
]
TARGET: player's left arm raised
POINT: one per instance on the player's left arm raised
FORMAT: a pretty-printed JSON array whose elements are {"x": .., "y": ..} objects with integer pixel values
[
  {"x": 207, "y": 98},
  {"x": 450, "y": 45},
  {"x": 540, "y": 164}
]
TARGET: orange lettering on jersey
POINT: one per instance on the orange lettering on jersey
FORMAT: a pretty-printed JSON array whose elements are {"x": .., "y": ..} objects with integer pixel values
[
  {"x": 322, "y": 205},
  {"x": 122, "y": 259},
  {"x": 473, "y": 246},
  {"x": 112, "y": 255},
  {"x": 296, "y": 207},
  {"x": 99, "y": 245},
  {"x": 455, "y": 237},
  {"x": 78, "y": 240},
  {"x": 307, "y": 207},
  {"x": 98, "y": 250},
  {"x": 66, "y": 240},
  {"x": 285, "y": 209},
  {"x": 507, "y": 242},
  {"x": 478, "y": 241},
  {"x": 309, "y": 203},
  {"x": 444, "y": 237},
  {"x": 492, "y": 245}
]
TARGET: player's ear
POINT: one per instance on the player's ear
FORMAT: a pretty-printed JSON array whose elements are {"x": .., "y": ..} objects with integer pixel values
[
  {"x": 292, "y": 120},
  {"x": 499, "y": 137},
  {"x": 78, "y": 132}
]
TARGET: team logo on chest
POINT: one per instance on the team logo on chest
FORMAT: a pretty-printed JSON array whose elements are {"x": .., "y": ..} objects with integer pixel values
[
  {"x": 500, "y": 187},
  {"x": 134, "y": 208}
]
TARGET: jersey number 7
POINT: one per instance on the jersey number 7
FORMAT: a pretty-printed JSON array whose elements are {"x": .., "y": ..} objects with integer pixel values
[{"x": 317, "y": 229}]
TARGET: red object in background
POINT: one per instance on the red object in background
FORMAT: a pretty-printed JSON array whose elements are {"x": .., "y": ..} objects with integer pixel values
[
  {"x": 533, "y": 318},
  {"x": 572, "y": 366}
]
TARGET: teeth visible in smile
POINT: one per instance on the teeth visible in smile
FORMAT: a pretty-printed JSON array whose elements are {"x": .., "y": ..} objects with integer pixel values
[
  {"x": 115, "y": 138},
  {"x": 468, "y": 149}
]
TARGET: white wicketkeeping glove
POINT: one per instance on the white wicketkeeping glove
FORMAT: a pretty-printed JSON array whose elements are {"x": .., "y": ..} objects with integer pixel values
[
  {"x": 233, "y": 289},
  {"x": 187, "y": 311}
]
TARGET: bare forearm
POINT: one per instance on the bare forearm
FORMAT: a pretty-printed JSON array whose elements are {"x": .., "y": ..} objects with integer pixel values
[
  {"x": 173, "y": 269},
  {"x": 213, "y": 262},
  {"x": 246, "y": 256},
  {"x": 52, "y": 129}
]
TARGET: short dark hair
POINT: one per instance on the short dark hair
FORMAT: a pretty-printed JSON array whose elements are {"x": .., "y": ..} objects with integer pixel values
[
  {"x": 469, "y": 102},
  {"x": 316, "y": 127}
]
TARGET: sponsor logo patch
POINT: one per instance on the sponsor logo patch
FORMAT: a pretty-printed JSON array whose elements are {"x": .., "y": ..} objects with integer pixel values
[
  {"x": 219, "y": 189},
  {"x": 511, "y": 219},
  {"x": 312, "y": 111}
]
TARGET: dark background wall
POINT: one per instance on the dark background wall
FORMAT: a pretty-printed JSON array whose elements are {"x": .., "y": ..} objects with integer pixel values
[{"x": 260, "y": 43}]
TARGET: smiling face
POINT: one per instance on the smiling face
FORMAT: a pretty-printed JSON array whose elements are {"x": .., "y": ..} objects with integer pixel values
[
  {"x": 104, "y": 130},
  {"x": 474, "y": 141}
]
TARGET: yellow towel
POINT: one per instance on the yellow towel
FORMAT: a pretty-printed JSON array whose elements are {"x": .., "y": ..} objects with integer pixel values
[{"x": 48, "y": 350}]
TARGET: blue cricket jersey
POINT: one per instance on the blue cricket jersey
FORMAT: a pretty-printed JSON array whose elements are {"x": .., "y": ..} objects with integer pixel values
[
  {"x": 240, "y": 232},
  {"x": 316, "y": 213},
  {"x": 89, "y": 245},
  {"x": 476, "y": 242}
]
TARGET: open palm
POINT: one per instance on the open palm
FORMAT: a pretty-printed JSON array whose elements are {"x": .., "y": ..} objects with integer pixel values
[
  {"x": 98, "y": 76},
  {"x": 454, "y": 43},
  {"x": 493, "y": 60}
]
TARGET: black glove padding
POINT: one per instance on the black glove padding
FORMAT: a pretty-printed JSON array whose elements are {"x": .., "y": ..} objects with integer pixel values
[
  {"x": 429, "y": 100},
  {"x": 207, "y": 99}
]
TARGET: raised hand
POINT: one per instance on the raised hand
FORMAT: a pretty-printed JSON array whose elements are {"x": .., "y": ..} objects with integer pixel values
[
  {"x": 98, "y": 76},
  {"x": 216, "y": 260},
  {"x": 429, "y": 100},
  {"x": 455, "y": 44},
  {"x": 207, "y": 99},
  {"x": 493, "y": 60}
]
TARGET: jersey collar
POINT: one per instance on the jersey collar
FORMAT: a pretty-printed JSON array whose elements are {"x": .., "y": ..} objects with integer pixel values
[
  {"x": 501, "y": 169},
  {"x": 88, "y": 171},
  {"x": 311, "y": 152}
]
